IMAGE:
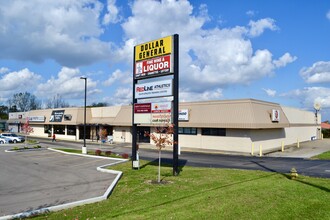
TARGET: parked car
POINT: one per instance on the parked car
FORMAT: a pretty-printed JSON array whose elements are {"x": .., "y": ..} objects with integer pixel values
[
  {"x": 13, "y": 137},
  {"x": 4, "y": 140}
]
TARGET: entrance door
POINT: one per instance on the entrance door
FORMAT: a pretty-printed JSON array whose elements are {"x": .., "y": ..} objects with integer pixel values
[
  {"x": 81, "y": 132},
  {"x": 141, "y": 138}
]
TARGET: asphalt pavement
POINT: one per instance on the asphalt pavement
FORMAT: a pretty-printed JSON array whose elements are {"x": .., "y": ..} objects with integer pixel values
[{"x": 39, "y": 179}]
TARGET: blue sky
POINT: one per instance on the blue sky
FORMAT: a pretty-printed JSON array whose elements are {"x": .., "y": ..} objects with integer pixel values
[{"x": 276, "y": 51}]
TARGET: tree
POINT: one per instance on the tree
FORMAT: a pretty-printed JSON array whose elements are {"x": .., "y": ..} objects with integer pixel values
[
  {"x": 162, "y": 138},
  {"x": 99, "y": 104},
  {"x": 56, "y": 102},
  {"x": 3, "y": 112},
  {"x": 24, "y": 102},
  {"x": 27, "y": 129}
]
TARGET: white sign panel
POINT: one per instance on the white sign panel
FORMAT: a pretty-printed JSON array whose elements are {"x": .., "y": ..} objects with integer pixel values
[
  {"x": 161, "y": 118},
  {"x": 275, "y": 115},
  {"x": 183, "y": 115},
  {"x": 161, "y": 107},
  {"x": 154, "y": 89},
  {"x": 142, "y": 118},
  {"x": 37, "y": 118}
]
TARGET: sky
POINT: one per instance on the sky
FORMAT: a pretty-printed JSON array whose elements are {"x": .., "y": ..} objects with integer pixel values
[{"x": 276, "y": 51}]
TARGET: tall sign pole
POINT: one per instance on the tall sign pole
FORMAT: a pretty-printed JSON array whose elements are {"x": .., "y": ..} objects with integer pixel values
[
  {"x": 156, "y": 59},
  {"x": 134, "y": 125},
  {"x": 176, "y": 106}
]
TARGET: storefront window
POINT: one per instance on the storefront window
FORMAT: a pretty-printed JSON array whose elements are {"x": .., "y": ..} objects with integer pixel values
[
  {"x": 214, "y": 131},
  {"x": 192, "y": 131},
  {"x": 71, "y": 130},
  {"x": 47, "y": 129},
  {"x": 59, "y": 129}
]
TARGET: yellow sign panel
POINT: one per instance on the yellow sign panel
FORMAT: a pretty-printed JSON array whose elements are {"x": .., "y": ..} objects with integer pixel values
[{"x": 154, "y": 48}]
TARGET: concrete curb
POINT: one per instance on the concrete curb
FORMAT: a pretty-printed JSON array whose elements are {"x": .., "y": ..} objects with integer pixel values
[{"x": 80, "y": 202}]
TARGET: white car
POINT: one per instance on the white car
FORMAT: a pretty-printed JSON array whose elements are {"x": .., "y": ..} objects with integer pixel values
[
  {"x": 13, "y": 137},
  {"x": 4, "y": 140}
]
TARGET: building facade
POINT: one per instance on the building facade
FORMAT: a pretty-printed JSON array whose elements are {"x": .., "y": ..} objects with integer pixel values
[{"x": 230, "y": 125}]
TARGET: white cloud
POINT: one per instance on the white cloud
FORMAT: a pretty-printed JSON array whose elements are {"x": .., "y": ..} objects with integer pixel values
[
  {"x": 210, "y": 58},
  {"x": 319, "y": 72},
  {"x": 187, "y": 96},
  {"x": 66, "y": 31},
  {"x": 112, "y": 15},
  {"x": 4, "y": 70},
  {"x": 270, "y": 92},
  {"x": 258, "y": 27},
  {"x": 122, "y": 96},
  {"x": 250, "y": 13},
  {"x": 118, "y": 75},
  {"x": 16, "y": 81},
  {"x": 309, "y": 95},
  {"x": 284, "y": 60},
  {"x": 328, "y": 15},
  {"x": 67, "y": 84}
]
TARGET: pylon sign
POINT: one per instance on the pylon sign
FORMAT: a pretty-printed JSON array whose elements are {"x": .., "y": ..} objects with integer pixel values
[{"x": 155, "y": 59}]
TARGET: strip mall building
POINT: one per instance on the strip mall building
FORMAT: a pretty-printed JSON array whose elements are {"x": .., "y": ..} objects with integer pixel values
[{"x": 229, "y": 125}]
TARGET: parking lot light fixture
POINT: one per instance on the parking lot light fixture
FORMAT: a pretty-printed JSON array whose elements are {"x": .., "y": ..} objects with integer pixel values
[{"x": 84, "y": 148}]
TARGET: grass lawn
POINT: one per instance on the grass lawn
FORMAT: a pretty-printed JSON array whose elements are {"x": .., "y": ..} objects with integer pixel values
[
  {"x": 324, "y": 156},
  {"x": 207, "y": 193}
]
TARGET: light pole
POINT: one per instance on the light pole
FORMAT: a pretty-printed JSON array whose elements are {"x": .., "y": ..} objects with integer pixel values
[{"x": 84, "y": 148}]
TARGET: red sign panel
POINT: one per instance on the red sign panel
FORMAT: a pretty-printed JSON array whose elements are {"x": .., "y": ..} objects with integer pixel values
[
  {"x": 142, "y": 108},
  {"x": 152, "y": 67}
]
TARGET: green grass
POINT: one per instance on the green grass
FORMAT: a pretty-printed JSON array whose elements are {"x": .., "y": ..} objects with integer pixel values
[
  {"x": 207, "y": 193},
  {"x": 323, "y": 156}
]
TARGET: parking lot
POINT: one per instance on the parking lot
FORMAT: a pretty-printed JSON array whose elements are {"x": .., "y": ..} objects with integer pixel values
[{"x": 38, "y": 179}]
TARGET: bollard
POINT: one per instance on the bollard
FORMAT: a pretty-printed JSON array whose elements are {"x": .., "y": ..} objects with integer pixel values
[
  {"x": 252, "y": 149},
  {"x": 260, "y": 150},
  {"x": 298, "y": 142},
  {"x": 282, "y": 146}
]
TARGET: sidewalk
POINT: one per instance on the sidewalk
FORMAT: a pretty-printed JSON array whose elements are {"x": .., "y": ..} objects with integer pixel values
[{"x": 306, "y": 149}]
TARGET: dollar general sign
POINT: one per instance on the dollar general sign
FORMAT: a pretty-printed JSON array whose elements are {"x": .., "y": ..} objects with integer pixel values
[{"x": 154, "y": 48}]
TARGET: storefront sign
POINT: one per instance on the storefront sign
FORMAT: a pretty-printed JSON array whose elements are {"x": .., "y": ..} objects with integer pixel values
[
  {"x": 154, "y": 48},
  {"x": 161, "y": 107},
  {"x": 37, "y": 118},
  {"x": 56, "y": 116},
  {"x": 161, "y": 118},
  {"x": 183, "y": 115},
  {"x": 153, "y": 67},
  {"x": 153, "y": 89},
  {"x": 142, "y": 108},
  {"x": 275, "y": 115}
]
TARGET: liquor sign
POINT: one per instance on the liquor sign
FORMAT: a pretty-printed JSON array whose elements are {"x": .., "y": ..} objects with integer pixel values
[
  {"x": 37, "y": 118},
  {"x": 156, "y": 48},
  {"x": 183, "y": 115},
  {"x": 153, "y": 67},
  {"x": 153, "y": 89}
]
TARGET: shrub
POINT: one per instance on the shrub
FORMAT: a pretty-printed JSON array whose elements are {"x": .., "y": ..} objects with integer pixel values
[
  {"x": 108, "y": 153},
  {"x": 124, "y": 155},
  {"x": 98, "y": 152}
]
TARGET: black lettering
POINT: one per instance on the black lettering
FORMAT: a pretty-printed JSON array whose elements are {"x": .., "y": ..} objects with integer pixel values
[
  {"x": 161, "y": 43},
  {"x": 142, "y": 48},
  {"x": 156, "y": 44}
]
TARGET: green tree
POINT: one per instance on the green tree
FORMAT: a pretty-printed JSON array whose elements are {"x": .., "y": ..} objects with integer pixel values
[{"x": 3, "y": 112}]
